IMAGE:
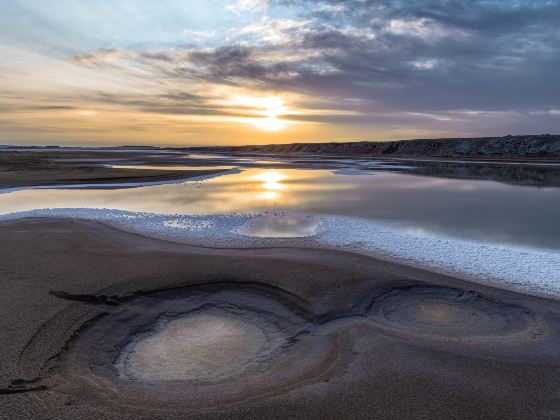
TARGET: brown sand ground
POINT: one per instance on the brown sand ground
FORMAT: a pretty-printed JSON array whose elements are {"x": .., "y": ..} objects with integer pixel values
[
  {"x": 382, "y": 341},
  {"x": 25, "y": 169}
]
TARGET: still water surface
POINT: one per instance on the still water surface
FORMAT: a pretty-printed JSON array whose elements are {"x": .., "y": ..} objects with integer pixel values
[{"x": 473, "y": 209}]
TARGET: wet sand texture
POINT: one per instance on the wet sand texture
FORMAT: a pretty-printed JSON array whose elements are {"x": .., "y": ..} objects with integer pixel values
[
  {"x": 23, "y": 169},
  {"x": 99, "y": 323}
]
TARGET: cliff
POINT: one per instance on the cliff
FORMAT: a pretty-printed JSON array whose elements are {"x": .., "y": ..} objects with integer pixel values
[{"x": 529, "y": 146}]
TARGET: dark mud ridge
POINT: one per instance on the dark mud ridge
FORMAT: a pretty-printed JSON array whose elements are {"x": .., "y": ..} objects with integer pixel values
[
  {"x": 217, "y": 346},
  {"x": 508, "y": 147}
]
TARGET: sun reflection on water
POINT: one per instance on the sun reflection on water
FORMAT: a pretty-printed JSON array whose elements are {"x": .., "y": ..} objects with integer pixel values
[
  {"x": 269, "y": 195},
  {"x": 272, "y": 180}
]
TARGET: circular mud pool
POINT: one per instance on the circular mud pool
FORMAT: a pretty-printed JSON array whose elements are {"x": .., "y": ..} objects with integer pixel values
[
  {"x": 449, "y": 313},
  {"x": 203, "y": 346},
  {"x": 199, "y": 346},
  {"x": 218, "y": 345}
]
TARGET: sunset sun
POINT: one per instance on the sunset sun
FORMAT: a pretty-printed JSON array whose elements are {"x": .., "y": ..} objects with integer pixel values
[
  {"x": 270, "y": 123},
  {"x": 269, "y": 111}
]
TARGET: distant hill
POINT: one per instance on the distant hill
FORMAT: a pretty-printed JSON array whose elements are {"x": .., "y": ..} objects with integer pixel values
[{"x": 526, "y": 146}]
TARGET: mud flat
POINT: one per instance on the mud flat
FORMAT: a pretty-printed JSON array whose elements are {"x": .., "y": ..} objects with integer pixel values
[
  {"x": 100, "y": 323},
  {"x": 27, "y": 169}
]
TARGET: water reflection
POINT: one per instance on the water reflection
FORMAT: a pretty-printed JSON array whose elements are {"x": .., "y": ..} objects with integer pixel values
[
  {"x": 271, "y": 180},
  {"x": 534, "y": 173},
  {"x": 280, "y": 226},
  {"x": 538, "y": 174},
  {"x": 467, "y": 208}
]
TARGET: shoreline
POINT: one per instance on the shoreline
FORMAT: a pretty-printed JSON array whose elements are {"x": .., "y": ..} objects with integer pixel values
[
  {"x": 117, "y": 178},
  {"x": 521, "y": 269},
  {"x": 67, "y": 283},
  {"x": 45, "y": 170},
  {"x": 192, "y": 176}
]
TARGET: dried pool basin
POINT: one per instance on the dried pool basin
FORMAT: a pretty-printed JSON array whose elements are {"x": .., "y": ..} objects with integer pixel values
[
  {"x": 198, "y": 346},
  {"x": 450, "y": 313}
]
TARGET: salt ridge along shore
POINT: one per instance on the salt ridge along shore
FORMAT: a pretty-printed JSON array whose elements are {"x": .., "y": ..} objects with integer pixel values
[{"x": 526, "y": 270}]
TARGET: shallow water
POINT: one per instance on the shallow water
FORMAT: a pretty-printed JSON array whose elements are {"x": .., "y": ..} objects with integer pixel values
[
  {"x": 476, "y": 209},
  {"x": 279, "y": 226}
]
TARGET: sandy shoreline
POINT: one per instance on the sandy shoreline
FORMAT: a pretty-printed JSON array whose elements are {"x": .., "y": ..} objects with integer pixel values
[
  {"x": 24, "y": 169},
  {"x": 380, "y": 339},
  {"x": 524, "y": 270}
]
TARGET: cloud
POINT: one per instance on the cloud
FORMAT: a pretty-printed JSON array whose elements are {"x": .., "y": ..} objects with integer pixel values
[
  {"x": 457, "y": 66},
  {"x": 240, "y": 6},
  {"x": 94, "y": 57},
  {"x": 401, "y": 60},
  {"x": 274, "y": 31},
  {"x": 199, "y": 35}
]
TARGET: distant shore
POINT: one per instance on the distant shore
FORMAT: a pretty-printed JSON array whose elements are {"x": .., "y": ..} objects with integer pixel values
[
  {"x": 19, "y": 170},
  {"x": 541, "y": 147}
]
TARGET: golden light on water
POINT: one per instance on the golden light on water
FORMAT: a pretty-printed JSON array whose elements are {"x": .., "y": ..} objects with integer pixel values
[
  {"x": 271, "y": 180},
  {"x": 271, "y": 183},
  {"x": 268, "y": 195},
  {"x": 252, "y": 190}
]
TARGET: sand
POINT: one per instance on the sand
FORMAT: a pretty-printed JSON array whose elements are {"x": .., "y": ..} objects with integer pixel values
[
  {"x": 40, "y": 169},
  {"x": 531, "y": 271},
  {"x": 91, "y": 318}
]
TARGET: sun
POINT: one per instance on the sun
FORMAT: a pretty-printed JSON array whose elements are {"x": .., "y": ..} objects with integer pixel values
[
  {"x": 269, "y": 110},
  {"x": 273, "y": 107},
  {"x": 270, "y": 123}
]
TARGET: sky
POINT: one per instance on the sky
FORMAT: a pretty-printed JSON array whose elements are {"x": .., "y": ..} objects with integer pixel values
[{"x": 229, "y": 72}]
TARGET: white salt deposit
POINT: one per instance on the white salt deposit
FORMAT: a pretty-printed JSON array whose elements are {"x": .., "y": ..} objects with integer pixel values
[
  {"x": 532, "y": 271},
  {"x": 188, "y": 224}
]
